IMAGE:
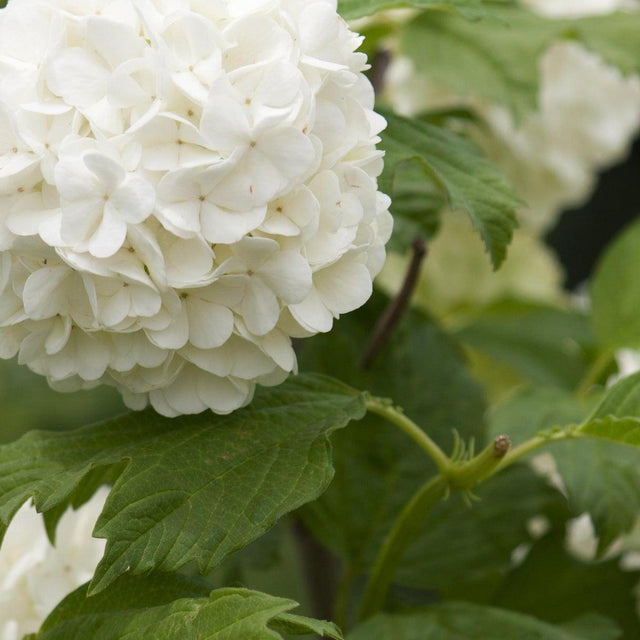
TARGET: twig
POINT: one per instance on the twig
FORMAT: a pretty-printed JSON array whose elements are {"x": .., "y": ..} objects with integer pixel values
[
  {"x": 320, "y": 569},
  {"x": 392, "y": 314},
  {"x": 379, "y": 65}
]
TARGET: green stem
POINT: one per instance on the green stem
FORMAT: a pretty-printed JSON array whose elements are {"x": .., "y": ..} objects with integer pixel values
[
  {"x": 385, "y": 409},
  {"x": 456, "y": 476},
  {"x": 466, "y": 475},
  {"x": 404, "y": 531},
  {"x": 595, "y": 373},
  {"x": 534, "y": 444},
  {"x": 343, "y": 592}
]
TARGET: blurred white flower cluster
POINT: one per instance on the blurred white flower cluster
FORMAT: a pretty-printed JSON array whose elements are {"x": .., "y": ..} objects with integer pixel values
[
  {"x": 587, "y": 117},
  {"x": 184, "y": 185},
  {"x": 34, "y": 575}
]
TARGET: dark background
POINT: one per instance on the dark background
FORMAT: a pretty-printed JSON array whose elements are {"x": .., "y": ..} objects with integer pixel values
[{"x": 582, "y": 233}]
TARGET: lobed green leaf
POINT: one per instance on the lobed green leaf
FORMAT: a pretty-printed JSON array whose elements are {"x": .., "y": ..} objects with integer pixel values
[
  {"x": 194, "y": 488},
  {"x": 163, "y": 607},
  {"x": 464, "y": 621},
  {"x": 468, "y": 180}
]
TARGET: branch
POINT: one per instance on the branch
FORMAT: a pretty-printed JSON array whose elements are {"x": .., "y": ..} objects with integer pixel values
[
  {"x": 320, "y": 571},
  {"x": 392, "y": 314}
]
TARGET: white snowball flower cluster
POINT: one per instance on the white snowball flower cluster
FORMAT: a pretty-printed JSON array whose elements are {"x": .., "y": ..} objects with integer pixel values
[
  {"x": 184, "y": 185},
  {"x": 34, "y": 575},
  {"x": 589, "y": 113}
]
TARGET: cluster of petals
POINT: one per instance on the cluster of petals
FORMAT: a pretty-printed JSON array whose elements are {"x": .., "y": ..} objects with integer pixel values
[
  {"x": 34, "y": 575},
  {"x": 588, "y": 115},
  {"x": 185, "y": 185}
]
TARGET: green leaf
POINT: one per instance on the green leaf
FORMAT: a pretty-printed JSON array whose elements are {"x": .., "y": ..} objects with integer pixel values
[
  {"x": 620, "y": 430},
  {"x": 603, "y": 476},
  {"x": 468, "y": 179},
  {"x": 169, "y": 608},
  {"x": 600, "y": 477},
  {"x": 547, "y": 346},
  {"x": 299, "y": 625},
  {"x": 617, "y": 417},
  {"x": 460, "y": 621},
  {"x": 497, "y": 58},
  {"x": 592, "y": 626},
  {"x": 378, "y": 467},
  {"x": 417, "y": 206},
  {"x": 351, "y": 9},
  {"x": 615, "y": 291},
  {"x": 465, "y": 551},
  {"x": 622, "y": 400},
  {"x": 553, "y": 586},
  {"x": 533, "y": 409},
  {"x": 194, "y": 488},
  {"x": 615, "y": 36}
]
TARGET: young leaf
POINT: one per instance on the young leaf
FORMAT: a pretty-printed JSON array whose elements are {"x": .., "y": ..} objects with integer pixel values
[
  {"x": 161, "y": 607},
  {"x": 461, "y": 621},
  {"x": 468, "y": 179},
  {"x": 194, "y": 487},
  {"x": 615, "y": 292},
  {"x": 497, "y": 58}
]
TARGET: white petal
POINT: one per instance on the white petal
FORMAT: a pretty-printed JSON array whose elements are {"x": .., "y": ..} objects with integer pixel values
[
  {"x": 210, "y": 324},
  {"x": 344, "y": 286},
  {"x": 223, "y": 395},
  {"x": 312, "y": 314},
  {"x": 259, "y": 308},
  {"x": 41, "y": 300},
  {"x": 288, "y": 274},
  {"x": 80, "y": 219},
  {"x": 226, "y": 227},
  {"x": 78, "y": 76},
  {"x": 109, "y": 172},
  {"x": 134, "y": 200},
  {"x": 109, "y": 236},
  {"x": 175, "y": 335}
]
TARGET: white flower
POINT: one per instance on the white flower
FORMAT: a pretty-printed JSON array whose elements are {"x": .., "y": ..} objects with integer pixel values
[
  {"x": 34, "y": 575},
  {"x": 99, "y": 198},
  {"x": 184, "y": 186}
]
